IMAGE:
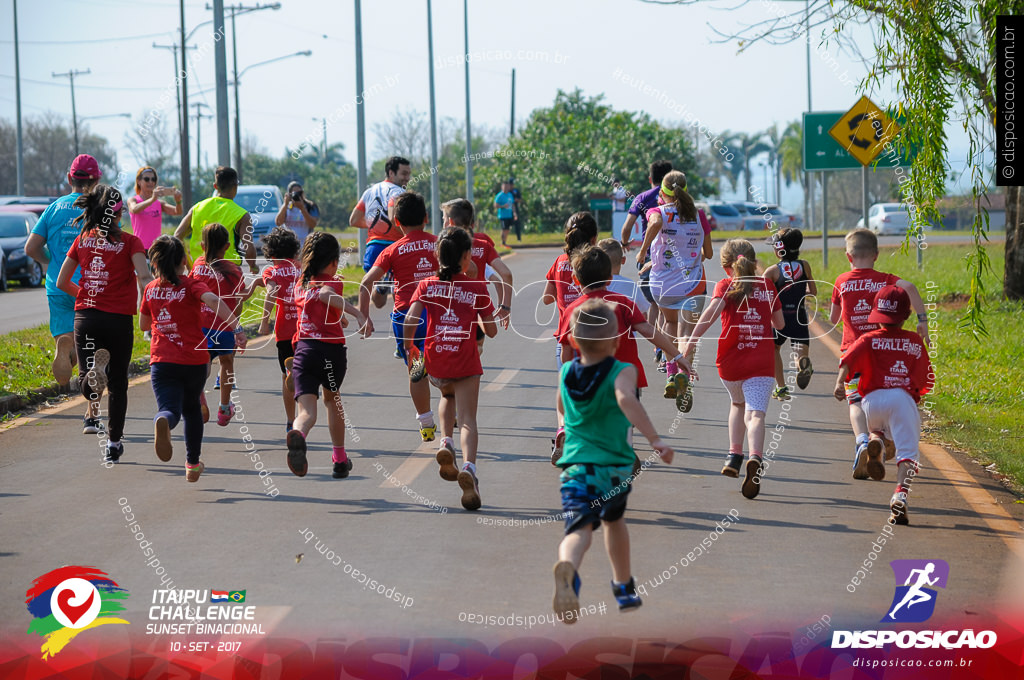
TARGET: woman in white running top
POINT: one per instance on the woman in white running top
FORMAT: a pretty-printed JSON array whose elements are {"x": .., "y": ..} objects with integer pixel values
[{"x": 679, "y": 241}]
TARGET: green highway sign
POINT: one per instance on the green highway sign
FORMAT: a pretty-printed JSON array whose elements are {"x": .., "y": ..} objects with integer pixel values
[
  {"x": 600, "y": 204},
  {"x": 822, "y": 152}
]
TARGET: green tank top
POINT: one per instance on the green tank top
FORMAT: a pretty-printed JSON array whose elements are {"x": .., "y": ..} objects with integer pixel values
[
  {"x": 595, "y": 428},
  {"x": 215, "y": 209}
]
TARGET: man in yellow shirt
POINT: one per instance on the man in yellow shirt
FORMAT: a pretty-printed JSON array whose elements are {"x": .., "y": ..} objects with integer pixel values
[{"x": 220, "y": 208}]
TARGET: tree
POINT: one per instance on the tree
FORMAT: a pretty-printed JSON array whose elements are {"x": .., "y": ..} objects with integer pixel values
[
  {"x": 791, "y": 153},
  {"x": 744, "y": 146},
  {"x": 155, "y": 145}
]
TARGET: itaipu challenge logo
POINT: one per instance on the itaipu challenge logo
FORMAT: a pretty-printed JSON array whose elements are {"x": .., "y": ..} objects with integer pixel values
[{"x": 70, "y": 600}]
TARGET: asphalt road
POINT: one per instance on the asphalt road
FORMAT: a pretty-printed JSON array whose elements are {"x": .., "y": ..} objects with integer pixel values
[
  {"x": 25, "y": 308},
  {"x": 786, "y": 561}
]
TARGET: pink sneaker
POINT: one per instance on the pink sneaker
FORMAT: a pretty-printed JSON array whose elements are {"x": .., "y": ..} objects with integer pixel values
[{"x": 224, "y": 416}]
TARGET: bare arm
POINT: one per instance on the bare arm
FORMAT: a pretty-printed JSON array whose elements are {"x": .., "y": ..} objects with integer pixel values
[
  {"x": 358, "y": 219},
  {"x": 269, "y": 300},
  {"x": 653, "y": 229},
  {"x": 145, "y": 322},
  {"x": 490, "y": 327},
  {"x": 709, "y": 248},
  {"x": 840, "y": 391},
  {"x": 282, "y": 213},
  {"x": 310, "y": 220},
  {"x": 778, "y": 320},
  {"x": 369, "y": 279},
  {"x": 184, "y": 230},
  {"x": 504, "y": 291},
  {"x": 176, "y": 209},
  {"x": 64, "y": 282},
  {"x": 135, "y": 207},
  {"x": 244, "y": 230},
  {"x": 35, "y": 248},
  {"x": 627, "y": 232},
  {"x": 835, "y": 312},
  {"x": 918, "y": 304},
  {"x": 625, "y": 395},
  {"x": 142, "y": 273},
  {"x": 549, "y": 293}
]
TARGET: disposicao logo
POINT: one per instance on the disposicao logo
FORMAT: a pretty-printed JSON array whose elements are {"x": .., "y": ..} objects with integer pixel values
[{"x": 69, "y": 600}]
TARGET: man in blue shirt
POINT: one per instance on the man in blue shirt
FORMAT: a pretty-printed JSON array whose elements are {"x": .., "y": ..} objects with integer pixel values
[
  {"x": 48, "y": 244},
  {"x": 506, "y": 203}
]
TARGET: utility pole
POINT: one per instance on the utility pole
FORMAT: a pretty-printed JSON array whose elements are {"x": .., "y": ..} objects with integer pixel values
[
  {"x": 469, "y": 128},
  {"x": 199, "y": 135},
  {"x": 512, "y": 125},
  {"x": 186, "y": 172},
  {"x": 323, "y": 126},
  {"x": 360, "y": 118},
  {"x": 435, "y": 185},
  {"x": 220, "y": 61},
  {"x": 20, "y": 186},
  {"x": 70, "y": 75},
  {"x": 238, "y": 123}
]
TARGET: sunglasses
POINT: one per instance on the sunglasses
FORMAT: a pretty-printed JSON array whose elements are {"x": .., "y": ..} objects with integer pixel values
[{"x": 149, "y": 179}]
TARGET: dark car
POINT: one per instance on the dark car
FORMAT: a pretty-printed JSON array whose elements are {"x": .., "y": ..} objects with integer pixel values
[{"x": 17, "y": 266}]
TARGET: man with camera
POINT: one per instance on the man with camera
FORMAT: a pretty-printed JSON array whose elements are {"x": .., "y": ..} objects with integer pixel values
[{"x": 298, "y": 213}]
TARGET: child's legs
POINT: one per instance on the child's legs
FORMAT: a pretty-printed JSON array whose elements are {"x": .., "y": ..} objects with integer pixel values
[
  {"x": 335, "y": 417},
  {"x": 115, "y": 333},
  {"x": 575, "y": 545},
  {"x": 227, "y": 376},
  {"x": 191, "y": 411},
  {"x": 689, "y": 315},
  {"x": 616, "y": 543},
  {"x": 467, "y": 393},
  {"x": 446, "y": 410},
  {"x": 168, "y": 383},
  {"x": 756, "y": 393},
  {"x": 420, "y": 393},
  {"x": 305, "y": 413},
  {"x": 737, "y": 426},
  {"x": 672, "y": 329},
  {"x": 289, "y": 399},
  {"x": 857, "y": 418},
  {"x": 894, "y": 413}
]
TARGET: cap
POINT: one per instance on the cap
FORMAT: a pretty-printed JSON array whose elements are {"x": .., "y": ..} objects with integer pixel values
[
  {"x": 892, "y": 305},
  {"x": 84, "y": 167},
  {"x": 511, "y": 180}
]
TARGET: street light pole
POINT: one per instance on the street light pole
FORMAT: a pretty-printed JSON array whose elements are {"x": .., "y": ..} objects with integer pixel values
[
  {"x": 220, "y": 61},
  {"x": 238, "y": 126},
  {"x": 186, "y": 172},
  {"x": 469, "y": 128},
  {"x": 70, "y": 75},
  {"x": 435, "y": 186},
  {"x": 360, "y": 118},
  {"x": 199, "y": 135},
  {"x": 238, "y": 120},
  {"x": 20, "y": 186}
]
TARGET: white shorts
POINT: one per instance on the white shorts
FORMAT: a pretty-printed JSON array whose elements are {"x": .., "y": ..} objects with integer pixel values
[
  {"x": 893, "y": 412},
  {"x": 754, "y": 392}
]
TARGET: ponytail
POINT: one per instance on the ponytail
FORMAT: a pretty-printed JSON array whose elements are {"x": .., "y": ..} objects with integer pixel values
[
  {"x": 215, "y": 240},
  {"x": 580, "y": 230},
  {"x": 674, "y": 186},
  {"x": 738, "y": 254},
  {"x": 451, "y": 247},
  {"x": 166, "y": 256},
  {"x": 101, "y": 211},
  {"x": 319, "y": 250}
]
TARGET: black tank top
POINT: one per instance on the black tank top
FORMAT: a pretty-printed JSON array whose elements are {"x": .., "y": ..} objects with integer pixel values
[{"x": 791, "y": 284}]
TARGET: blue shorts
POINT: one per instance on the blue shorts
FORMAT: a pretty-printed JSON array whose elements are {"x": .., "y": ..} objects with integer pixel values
[
  {"x": 398, "y": 328},
  {"x": 373, "y": 249},
  {"x": 219, "y": 342},
  {"x": 62, "y": 313},
  {"x": 591, "y": 493}
]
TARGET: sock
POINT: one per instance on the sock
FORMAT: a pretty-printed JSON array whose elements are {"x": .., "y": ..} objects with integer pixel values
[
  {"x": 449, "y": 441},
  {"x": 223, "y": 407},
  {"x": 671, "y": 368},
  {"x": 735, "y": 449},
  {"x": 471, "y": 467},
  {"x": 862, "y": 439},
  {"x": 756, "y": 454},
  {"x": 900, "y": 488},
  {"x": 339, "y": 455},
  {"x": 426, "y": 419},
  {"x": 113, "y": 444}
]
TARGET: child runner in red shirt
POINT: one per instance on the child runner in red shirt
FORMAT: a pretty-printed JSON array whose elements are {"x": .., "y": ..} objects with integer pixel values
[
  {"x": 746, "y": 355},
  {"x": 592, "y": 269},
  {"x": 852, "y": 296},
  {"x": 320, "y": 359},
  {"x": 895, "y": 372},
  {"x": 281, "y": 247},
  {"x": 226, "y": 280},
  {"x": 178, "y": 361},
  {"x": 580, "y": 230},
  {"x": 453, "y": 305},
  {"x": 410, "y": 259}
]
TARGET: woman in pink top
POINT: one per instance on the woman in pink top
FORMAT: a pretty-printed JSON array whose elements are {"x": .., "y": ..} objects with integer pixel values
[{"x": 146, "y": 208}]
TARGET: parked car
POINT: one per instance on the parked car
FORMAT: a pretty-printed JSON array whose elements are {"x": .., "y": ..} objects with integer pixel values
[
  {"x": 14, "y": 230},
  {"x": 768, "y": 216},
  {"x": 262, "y": 201},
  {"x": 27, "y": 200},
  {"x": 888, "y": 218},
  {"x": 724, "y": 216}
]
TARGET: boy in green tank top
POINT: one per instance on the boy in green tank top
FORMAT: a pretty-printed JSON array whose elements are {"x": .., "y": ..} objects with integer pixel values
[{"x": 597, "y": 396}]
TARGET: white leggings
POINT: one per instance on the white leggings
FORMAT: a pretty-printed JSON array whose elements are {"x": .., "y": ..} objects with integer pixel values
[
  {"x": 893, "y": 412},
  {"x": 754, "y": 392}
]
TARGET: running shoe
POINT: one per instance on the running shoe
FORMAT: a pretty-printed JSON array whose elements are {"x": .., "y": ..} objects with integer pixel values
[
  {"x": 898, "y": 509},
  {"x": 224, "y": 415},
  {"x": 803, "y": 376},
  {"x": 684, "y": 393},
  {"x": 671, "y": 389},
  {"x": 567, "y": 592},
  {"x": 733, "y": 465},
  {"x": 203, "y": 408},
  {"x": 62, "y": 360},
  {"x": 96, "y": 379},
  {"x": 752, "y": 481},
  {"x": 662, "y": 367},
  {"x": 875, "y": 466},
  {"x": 289, "y": 378},
  {"x": 91, "y": 426},
  {"x": 341, "y": 470},
  {"x": 417, "y": 366},
  {"x": 297, "y": 453},
  {"x": 470, "y": 486},
  {"x": 192, "y": 472},
  {"x": 446, "y": 459},
  {"x": 216, "y": 382},
  {"x": 860, "y": 462},
  {"x": 162, "y": 439},
  {"x": 114, "y": 452},
  {"x": 557, "y": 444},
  {"x": 427, "y": 432},
  {"x": 782, "y": 393},
  {"x": 625, "y": 595},
  {"x": 890, "y": 446}
]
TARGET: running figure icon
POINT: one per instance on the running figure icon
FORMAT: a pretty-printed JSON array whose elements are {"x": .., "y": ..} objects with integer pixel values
[{"x": 916, "y": 594}]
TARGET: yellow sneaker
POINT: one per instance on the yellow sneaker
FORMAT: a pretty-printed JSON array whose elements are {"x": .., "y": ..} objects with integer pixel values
[{"x": 427, "y": 433}]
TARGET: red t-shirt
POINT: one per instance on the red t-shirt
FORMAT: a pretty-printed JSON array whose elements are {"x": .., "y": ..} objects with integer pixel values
[
  {"x": 483, "y": 254},
  {"x": 890, "y": 359},
  {"x": 225, "y": 282},
  {"x": 108, "y": 280},
  {"x": 318, "y": 321},
  {"x": 746, "y": 348},
  {"x": 855, "y": 292},
  {"x": 452, "y": 308},
  {"x": 626, "y": 313},
  {"x": 283, "y": 277},
  {"x": 566, "y": 290},
  {"x": 410, "y": 259},
  {"x": 175, "y": 312}
]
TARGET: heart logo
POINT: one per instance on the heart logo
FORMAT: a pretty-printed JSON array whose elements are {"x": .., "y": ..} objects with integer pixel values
[{"x": 74, "y": 613}]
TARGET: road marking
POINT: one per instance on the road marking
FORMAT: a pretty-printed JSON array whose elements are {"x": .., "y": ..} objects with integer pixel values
[
  {"x": 503, "y": 379},
  {"x": 411, "y": 467},
  {"x": 978, "y": 498}
]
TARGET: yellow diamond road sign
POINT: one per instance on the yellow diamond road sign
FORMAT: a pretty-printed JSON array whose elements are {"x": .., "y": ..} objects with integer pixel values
[{"x": 864, "y": 130}]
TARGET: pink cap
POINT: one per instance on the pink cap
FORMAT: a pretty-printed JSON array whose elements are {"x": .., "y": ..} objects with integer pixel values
[{"x": 84, "y": 167}]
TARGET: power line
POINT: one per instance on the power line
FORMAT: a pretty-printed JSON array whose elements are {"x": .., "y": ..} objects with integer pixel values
[
  {"x": 85, "y": 87},
  {"x": 89, "y": 41}
]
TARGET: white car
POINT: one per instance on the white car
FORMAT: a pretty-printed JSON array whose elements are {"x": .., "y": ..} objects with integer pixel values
[
  {"x": 888, "y": 218},
  {"x": 262, "y": 201}
]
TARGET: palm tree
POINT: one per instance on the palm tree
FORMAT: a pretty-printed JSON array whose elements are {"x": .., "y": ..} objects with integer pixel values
[
  {"x": 744, "y": 148},
  {"x": 791, "y": 154},
  {"x": 779, "y": 144}
]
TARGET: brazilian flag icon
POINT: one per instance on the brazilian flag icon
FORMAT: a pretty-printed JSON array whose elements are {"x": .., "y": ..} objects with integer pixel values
[{"x": 237, "y": 596}]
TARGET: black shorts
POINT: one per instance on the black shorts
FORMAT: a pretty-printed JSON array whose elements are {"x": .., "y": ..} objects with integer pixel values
[
  {"x": 795, "y": 329},
  {"x": 285, "y": 349},
  {"x": 480, "y": 335},
  {"x": 318, "y": 364},
  {"x": 506, "y": 223}
]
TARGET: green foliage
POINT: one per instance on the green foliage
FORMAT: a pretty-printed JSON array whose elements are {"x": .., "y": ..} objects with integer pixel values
[
  {"x": 332, "y": 185},
  {"x": 550, "y": 157}
]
